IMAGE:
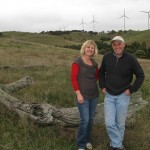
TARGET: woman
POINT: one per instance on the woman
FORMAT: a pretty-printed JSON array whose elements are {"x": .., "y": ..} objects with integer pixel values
[{"x": 84, "y": 76}]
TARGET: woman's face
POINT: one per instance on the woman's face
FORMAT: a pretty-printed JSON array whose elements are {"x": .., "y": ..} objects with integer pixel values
[{"x": 89, "y": 50}]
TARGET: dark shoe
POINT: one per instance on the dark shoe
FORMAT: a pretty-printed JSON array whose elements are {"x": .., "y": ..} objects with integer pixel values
[
  {"x": 114, "y": 148},
  {"x": 111, "y": 148},
  {"x": 119, "y": 148},
  {"x": 123, "y": 148}
]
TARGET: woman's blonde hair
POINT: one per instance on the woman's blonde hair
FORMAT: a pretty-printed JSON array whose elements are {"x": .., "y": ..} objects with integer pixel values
[{"x": 87, "y": 43}]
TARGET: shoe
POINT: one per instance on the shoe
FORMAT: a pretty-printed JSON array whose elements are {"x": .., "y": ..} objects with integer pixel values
[
  {"x": 89, "y": 146},
  {"x": 122, "y": 148},
  {"x": 114, "y": 148},
  {"x": 111, "y": 148},
  {"x": 119, "y": 148}
]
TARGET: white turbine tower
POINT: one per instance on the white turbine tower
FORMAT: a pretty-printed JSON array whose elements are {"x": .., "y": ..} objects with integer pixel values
[
  {"x": 148, "y": 12},
  {"x": 82, "y": 23},
  {"x": 93, "y": 21},
  {"x": 64, "y": 28},
  {"x": 124, "y": 17}
]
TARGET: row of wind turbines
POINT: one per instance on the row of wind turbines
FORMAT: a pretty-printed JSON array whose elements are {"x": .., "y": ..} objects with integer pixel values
[
  {"x": 124, "y": 17},
  {"x": 82, "y": 23},
  {"x": 93, "y": 21}
]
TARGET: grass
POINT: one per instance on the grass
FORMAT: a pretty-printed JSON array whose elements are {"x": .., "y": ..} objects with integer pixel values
[
  {"x": 40, "y": 38},
  {"x": 16, "y": 136},
  {"x": 141, "y": 36},
  {"x": 52, "y": 85}
]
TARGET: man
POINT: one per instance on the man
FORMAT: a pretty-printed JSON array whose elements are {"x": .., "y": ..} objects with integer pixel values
[{"x": 115, "y": 79}]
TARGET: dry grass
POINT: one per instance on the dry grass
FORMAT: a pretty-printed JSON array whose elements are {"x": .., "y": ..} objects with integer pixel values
[{"x": 52, "y": 85}]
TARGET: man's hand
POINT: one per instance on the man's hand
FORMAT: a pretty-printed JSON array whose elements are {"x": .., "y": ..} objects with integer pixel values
[
  {"x": 127, "y": 92},
  {"x": 104, "y": 91}
]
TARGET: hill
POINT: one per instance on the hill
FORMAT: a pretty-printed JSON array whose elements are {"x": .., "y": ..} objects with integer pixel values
[
  {"x": 52, "y": 85},
  {"x": 75, "y": 38},
  {"x": 138, "y": 42},
  {"x": 139, "y": 36}
]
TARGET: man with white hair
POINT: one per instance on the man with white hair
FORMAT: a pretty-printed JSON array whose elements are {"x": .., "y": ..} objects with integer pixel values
[{"x": 115, "y": 79}]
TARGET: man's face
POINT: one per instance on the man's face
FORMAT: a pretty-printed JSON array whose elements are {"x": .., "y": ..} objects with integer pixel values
[{"x": 118, "y": 47}]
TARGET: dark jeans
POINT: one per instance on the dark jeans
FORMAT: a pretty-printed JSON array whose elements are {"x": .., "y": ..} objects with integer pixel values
[{"x": 87, "y": 111}]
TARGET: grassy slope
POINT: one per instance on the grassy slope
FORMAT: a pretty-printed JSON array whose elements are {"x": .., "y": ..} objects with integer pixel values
[
  {"x": 39, "y": 38},
  {"x": 75, "y": 38},
  {"x": 81, "y": 37},
  {"x": 52, "y": 85},
  {"x": 143, "y": 36}
]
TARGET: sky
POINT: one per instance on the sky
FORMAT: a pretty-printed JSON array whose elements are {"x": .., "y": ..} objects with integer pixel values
[{"x": 52, "y": 15}]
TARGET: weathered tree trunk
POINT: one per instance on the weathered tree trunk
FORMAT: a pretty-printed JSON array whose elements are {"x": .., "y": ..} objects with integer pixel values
[
  {"x": 15, "y": 86},
  {"x": 47, "y": 114},
  {"x": 23, "y": 67}
]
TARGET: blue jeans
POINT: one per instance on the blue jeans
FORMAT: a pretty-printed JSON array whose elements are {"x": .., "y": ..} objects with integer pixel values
[
  {"x": 87, "y": 111},
  {"x": 115, "y": 111}
]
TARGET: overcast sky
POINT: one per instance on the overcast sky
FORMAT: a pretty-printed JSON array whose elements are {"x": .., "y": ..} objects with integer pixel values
[{"x": 46, "y": 15}]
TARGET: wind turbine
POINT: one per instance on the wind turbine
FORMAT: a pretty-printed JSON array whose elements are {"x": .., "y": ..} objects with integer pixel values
[
  {"x": 93, "y": 21},
  {"x": 148, "y": 12},
  {"x": 124, "y": 16},
  {"x": 82, "y": 23},
  {"x": 64, "y": 27}
]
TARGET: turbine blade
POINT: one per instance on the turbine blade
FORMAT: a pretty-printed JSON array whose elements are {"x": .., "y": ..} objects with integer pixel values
[
  {"x": 121, "y": 17},
  {"x": 127, "y": 17},
  {"x": 144, "y": 11}
]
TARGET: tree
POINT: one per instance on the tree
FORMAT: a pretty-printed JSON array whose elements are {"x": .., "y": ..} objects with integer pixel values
[
  {"x": 1, "y": 34},
  {"x": 147, "y": 51},
  {"x": 143, "y": 46},
  {"x": 46, "y": 114},
  {"x": 140, "y": 54}
]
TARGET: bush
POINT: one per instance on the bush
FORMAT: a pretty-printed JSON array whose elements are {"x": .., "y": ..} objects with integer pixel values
[
  {"x": 1, "y": 34},
  {"x": 105, "y": 38},
  {"x": 140, "y": 54}
]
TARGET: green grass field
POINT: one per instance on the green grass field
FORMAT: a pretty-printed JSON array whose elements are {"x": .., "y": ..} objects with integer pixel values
[{"x": 52, "y": 85}]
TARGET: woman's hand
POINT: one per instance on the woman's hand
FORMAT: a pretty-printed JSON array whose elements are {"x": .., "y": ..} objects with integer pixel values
[{"x": 79, "y": 97}]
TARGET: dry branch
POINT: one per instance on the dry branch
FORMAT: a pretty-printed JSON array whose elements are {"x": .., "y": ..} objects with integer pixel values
[
  {"x": 15, "y": 86},
  {"x": 47, "y": 114},
  {"x": 23, "y": 67}
]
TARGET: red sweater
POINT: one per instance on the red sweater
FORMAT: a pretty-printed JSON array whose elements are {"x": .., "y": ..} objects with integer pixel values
[{"x": 74, "y": 76}]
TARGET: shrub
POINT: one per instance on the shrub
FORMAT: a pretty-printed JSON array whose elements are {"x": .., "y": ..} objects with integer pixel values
[
  {"x": 1, "y": 34},
  {"x": 140, "y": 54}
]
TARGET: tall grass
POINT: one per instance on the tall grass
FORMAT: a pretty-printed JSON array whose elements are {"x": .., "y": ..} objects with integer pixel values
[{"x": 52, "y": 85}]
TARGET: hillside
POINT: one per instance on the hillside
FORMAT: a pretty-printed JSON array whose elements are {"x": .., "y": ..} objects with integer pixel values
[
  {"x": 52, "y": 85},
  {"x": 38, "y": 38},
  {"x": 75, "y": 38},
  {"x": 139, "y": 36}
]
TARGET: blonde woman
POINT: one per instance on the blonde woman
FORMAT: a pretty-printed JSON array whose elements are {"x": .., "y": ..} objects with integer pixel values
[{"x": 84, "y": 76}]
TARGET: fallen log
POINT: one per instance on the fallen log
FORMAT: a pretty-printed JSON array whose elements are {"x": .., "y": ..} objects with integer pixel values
[
  {"x": 15, "y": 86},
  {"x": 47, "y": 114},
  {"x": 23, "y": 67}
]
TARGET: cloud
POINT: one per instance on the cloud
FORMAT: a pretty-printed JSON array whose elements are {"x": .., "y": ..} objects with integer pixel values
[{"x": 39, "y": 15}]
